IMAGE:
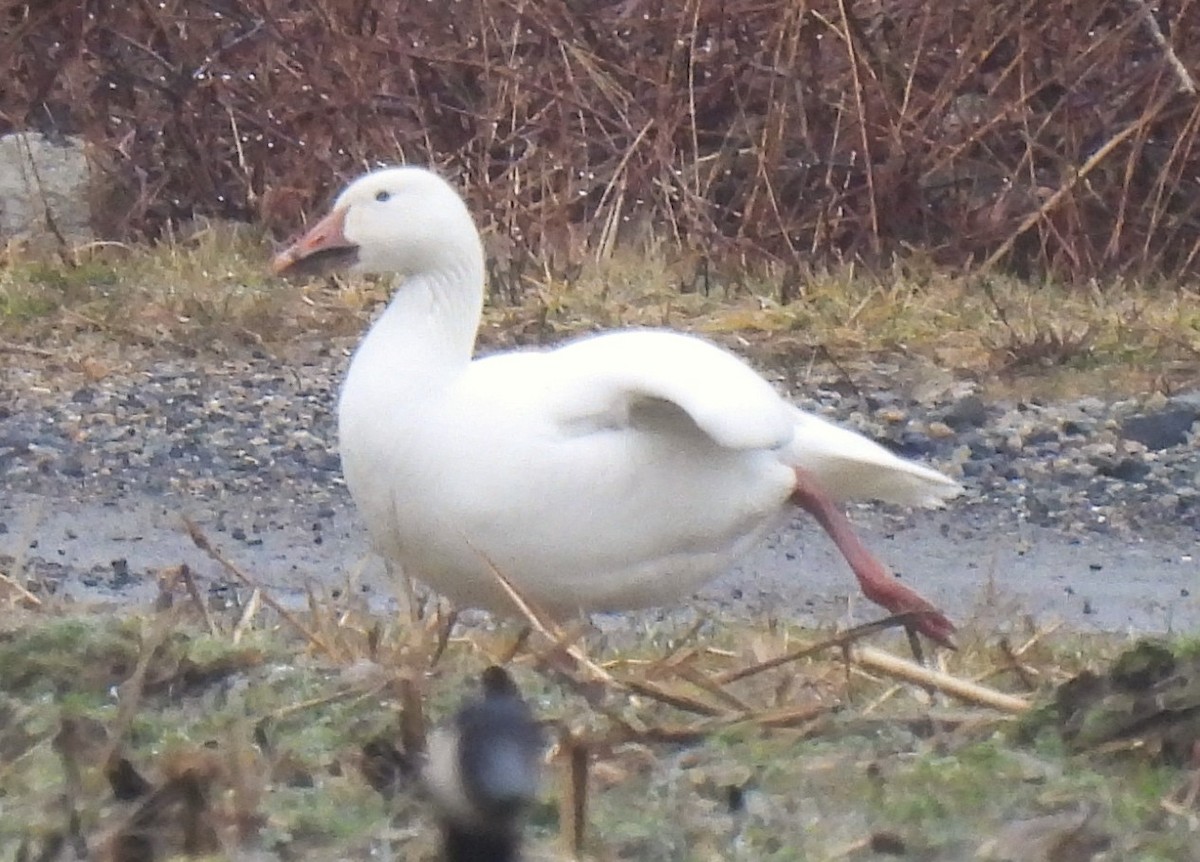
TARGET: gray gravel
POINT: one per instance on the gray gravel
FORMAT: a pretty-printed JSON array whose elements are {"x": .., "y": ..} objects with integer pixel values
[{"x": 95, "y": 470}]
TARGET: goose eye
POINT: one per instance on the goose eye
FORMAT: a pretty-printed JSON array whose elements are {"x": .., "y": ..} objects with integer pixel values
[{"x": 382, "y": 196}]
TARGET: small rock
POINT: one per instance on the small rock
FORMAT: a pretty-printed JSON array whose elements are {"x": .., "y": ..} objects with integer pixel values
[
  {"x": 1037, "y": 436},
  {"x": 913, "y": 444},
  {"x": 40, "y": 175},
  {"x": 939, "y": 430},
  {"x": 1063, "y": 837},
  {"x": 967, "y": 412},
  {"x": 1189, "y": 400},
  {"x": 71, "y": 466},
  {"x": 1162, "y": 430},
  {"x": 1126, "y": 469},
  {"x": 879, "y": 400},
  {"x": 1155, "y": 401}
]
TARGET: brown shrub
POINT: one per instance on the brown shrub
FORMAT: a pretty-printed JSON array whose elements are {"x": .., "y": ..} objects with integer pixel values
[{"x": 1054, "y": 135}]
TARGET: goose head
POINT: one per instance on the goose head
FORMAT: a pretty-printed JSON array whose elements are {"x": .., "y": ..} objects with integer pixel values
[{"x": 402, "y": 220}]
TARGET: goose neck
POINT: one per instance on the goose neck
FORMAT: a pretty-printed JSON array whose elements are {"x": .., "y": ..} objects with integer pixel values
[{"x": 427, "y": 332}]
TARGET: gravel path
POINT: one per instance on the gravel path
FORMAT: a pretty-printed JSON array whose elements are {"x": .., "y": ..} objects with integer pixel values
[{"x": 1087, "y": 510}]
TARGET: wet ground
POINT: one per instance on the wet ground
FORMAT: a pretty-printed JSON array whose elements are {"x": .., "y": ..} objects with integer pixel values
[
  {"x": 1065, "y": 516},
  {"x": 111, "y": 550}
]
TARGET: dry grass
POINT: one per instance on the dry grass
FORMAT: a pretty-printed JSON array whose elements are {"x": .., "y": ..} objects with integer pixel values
[
  {"x": 981, "y": 325},
  {"x": 206, "y": 288},
  {"x": 209, "y": 290}
]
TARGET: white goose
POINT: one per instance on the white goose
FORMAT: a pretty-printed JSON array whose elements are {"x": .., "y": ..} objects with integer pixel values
[{"x": 618, "y": 471}]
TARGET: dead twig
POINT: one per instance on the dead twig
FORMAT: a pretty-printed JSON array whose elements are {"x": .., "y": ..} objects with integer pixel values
[
  {"x": 888, "y": 664},
  {"x": 573, "y": 802},
  {"x": 201, "y": 541},
  {"x": 352, "y": 694},
  {"x": 1060, "y": 194},
  {"x": 1186, "y": 83},
  {"x": 24, "y": 594},
  {"x": 189, "y": 582},
  {"x": 542, "y": 623},
  {"x": 25, "y": 349},
  {"x": 844, "y": 639}
]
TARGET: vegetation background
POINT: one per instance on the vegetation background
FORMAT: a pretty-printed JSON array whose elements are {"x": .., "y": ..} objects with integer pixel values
[
  {"x": 879, "y": 159},
  {"x": 1054, "y": 137}
]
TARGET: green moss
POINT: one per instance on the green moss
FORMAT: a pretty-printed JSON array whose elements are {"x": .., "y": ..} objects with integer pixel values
[
  {"x": 300, "y": 721},
  {"x": 69, "y": 279},
  {"x": 331, "y": 812},
  {"x": 81, "y": 656}
]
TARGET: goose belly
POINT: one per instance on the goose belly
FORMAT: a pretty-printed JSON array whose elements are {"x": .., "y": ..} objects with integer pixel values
[{"x": 607, "y": 525}]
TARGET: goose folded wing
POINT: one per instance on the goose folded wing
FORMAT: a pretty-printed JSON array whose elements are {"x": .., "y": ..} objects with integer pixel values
[{"x": 660, "y": 380}]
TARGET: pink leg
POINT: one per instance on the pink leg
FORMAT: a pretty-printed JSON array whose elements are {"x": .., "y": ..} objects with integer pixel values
[{"x": 877, "y": 583}]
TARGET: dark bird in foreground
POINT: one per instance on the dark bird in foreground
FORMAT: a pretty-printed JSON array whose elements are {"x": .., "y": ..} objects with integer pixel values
[{"x": 483, "y": 772}]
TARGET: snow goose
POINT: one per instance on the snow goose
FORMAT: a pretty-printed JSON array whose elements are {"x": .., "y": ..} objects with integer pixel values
[{"x": 617, "y": 471}]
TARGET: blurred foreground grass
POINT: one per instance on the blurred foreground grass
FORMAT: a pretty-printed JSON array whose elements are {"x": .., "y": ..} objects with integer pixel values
[{"x": 191, "y": 730}]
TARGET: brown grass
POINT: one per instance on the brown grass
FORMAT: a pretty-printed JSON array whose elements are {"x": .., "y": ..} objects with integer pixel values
[
  {"x": 1039, "y": 137},
  {"x": 210, "y": 291}
]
